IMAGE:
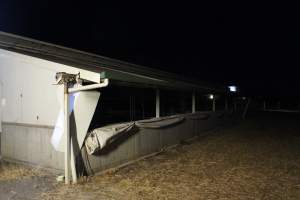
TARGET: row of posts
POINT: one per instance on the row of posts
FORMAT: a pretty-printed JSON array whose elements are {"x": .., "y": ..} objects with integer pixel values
[
  {"x": 157, "y": 109},
  {"x": 278, "y": 106}
]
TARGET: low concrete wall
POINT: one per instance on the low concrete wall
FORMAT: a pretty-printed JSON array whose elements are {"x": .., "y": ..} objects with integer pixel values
[
  {"x": 31, "y": 144},
  {"x": 146, "y": 141}
]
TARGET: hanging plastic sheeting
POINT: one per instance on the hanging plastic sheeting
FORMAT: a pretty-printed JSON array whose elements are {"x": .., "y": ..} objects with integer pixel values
[
  {"x": 84, "y": 109},
  {"x": 102, "y": 137},
  {"x": 58, "y": 137},
  {"x": 83, "y": 105}
]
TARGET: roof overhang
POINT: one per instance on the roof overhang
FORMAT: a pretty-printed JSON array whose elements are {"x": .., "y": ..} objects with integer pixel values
[{"x": 117, "y": 71}]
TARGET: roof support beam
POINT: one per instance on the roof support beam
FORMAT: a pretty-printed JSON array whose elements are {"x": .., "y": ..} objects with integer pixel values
[
  {"x": 214, "y": 104},
  {"x": 67, "y": 131},
  {"x": 194, "y": 102},
  {"x": 157, "y": 105}
]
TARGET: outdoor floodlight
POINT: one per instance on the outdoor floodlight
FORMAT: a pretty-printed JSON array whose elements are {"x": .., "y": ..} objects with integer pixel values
[{"x": 232, "y": 88}]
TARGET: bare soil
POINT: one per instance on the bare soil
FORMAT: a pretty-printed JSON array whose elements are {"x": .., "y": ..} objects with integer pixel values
[
  {"x": 258, "y": 159},
  {"x": 21, "y": 182}
]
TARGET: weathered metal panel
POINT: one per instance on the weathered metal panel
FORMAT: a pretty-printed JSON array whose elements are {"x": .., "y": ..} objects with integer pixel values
[
  {"x": 147, "y": 141},
  {"x": 30, "y": 144}
]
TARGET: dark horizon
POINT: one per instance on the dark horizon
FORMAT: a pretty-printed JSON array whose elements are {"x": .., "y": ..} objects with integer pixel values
[{"x": 254, "y": 47}]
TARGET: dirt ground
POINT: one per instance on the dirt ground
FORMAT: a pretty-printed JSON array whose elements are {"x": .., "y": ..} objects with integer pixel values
[
  {"x": 20, "y": 182},
  {"x": 258, "y": 159}
]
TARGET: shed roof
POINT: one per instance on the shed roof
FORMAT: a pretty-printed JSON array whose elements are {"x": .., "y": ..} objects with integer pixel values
[{"x": 117, "y": 71}]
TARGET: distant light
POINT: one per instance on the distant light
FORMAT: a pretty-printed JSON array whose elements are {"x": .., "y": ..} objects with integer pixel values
[
  {"x": 211, "y": 96},
  {"x": 232, "y": 88},
  {"x": 244, "y": 98}
]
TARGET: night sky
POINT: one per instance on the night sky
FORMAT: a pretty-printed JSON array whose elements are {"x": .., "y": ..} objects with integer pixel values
[{"x": 253, "y": 46}]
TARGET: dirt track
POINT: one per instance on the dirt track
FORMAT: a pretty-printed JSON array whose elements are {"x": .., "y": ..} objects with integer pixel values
[{"x": 258, "y": 159}]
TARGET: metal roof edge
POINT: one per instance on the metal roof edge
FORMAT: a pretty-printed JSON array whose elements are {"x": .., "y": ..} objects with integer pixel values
[{"x": 93, "y": 62}]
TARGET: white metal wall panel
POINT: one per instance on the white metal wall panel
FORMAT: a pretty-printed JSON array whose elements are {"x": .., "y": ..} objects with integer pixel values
[
  {"x": 28, "y": 92},
  {"x": 29, "y": 95},
  {"x": 1, "y": 107}
]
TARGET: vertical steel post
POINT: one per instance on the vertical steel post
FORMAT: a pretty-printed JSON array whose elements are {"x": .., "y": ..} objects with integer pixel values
[
  {"x": 157, "y": 111},
  {"x": 73, "y": 164},
  {"x": 246, "y": 108},
  {"x": 194, "y": 102},
  {"x": 67, "y": 133},
  {"x": 214, "y": 104}
]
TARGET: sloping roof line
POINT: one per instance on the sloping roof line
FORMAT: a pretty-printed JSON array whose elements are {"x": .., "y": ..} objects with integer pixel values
[{"x": 111, "y": 68}]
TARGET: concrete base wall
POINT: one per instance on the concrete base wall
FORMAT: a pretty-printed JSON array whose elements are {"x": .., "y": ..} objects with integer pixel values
[{"x": 31, "y": 144}]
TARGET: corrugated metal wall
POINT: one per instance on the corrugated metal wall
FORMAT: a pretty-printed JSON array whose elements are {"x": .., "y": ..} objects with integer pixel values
[
  {"x": 31, "y": 144},
  {"x": 146, "y": 141}
]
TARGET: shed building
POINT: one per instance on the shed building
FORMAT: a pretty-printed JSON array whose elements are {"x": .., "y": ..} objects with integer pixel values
[{"x": 149, "y": 109}]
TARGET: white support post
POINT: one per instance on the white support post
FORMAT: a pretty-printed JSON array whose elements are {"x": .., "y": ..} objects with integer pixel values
[
  {"x": 246, "y": 108},
  {"x": 67, "y": 133},
  {"x": 73, "y": 165},
  {"x": 214, "y": 104},
  {"x": 193, "y": 102},
  {"x": 157, "y": 115}
]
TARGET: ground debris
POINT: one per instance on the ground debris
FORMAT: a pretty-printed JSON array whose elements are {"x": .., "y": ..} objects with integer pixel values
[{"x": 11, "y": 171}]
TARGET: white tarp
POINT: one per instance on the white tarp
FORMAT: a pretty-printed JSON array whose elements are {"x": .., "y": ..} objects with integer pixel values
[
  {"x": 84, "y": 109},
  {"x": 58, "y": 137},
  {"x": 83, "y": 105}
]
